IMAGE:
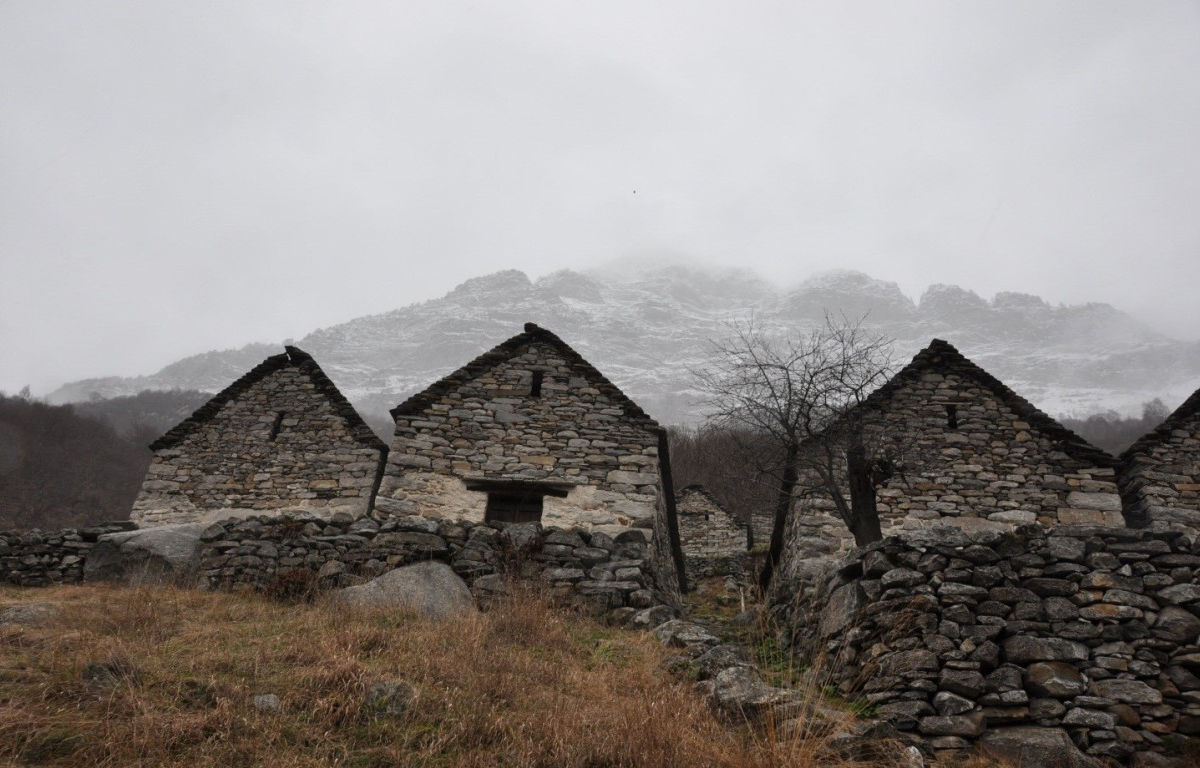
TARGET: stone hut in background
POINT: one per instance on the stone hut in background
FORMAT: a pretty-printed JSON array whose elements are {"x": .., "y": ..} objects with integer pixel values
[
  {"x": 713, "y": 541},
  {"x": 974, "y": 454},
  {"x": 280, "y": 440},
  {"x": 1160, "y": 473},
  {"x": 531, "y": 432}
]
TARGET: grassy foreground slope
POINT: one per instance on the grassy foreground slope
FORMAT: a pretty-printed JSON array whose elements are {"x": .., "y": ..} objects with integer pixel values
[{"x": 162, "y": 676}]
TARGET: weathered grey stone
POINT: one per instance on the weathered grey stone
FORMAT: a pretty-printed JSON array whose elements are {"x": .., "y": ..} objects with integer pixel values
[
  {"x": 1034, "y": 746},
  {"x": 267, "y": 702},
  {"x": 916, "y": 661},
  {"x": 1089, "y": 718},
  {"x": 720, "y": 657},
  {"x": 678, "y": 633},
  {"x": 842, "y": 609},
  {"x": 1066, "y": 548},
  {"x": 904, "y": 714},
  {"x": 430, "y": 589},
  {"x": 31, "y": 615},
  {"x": 740, "y": 690},
  {"x": 1025, "y": 649},
  {"x": 164, "y": 553},
  {"x": 902, "y": 577},
  {"x": 967, "y": 683},
  {"x": 651, "y": 618},
  {"x": 967, "y": 726},
  {"x": 1055, "y": 679},
  {"x": 1177, "y": 625},
  {"x": 1180, "y": 594},
  {"x": 948, "y": 704},
  {"x": 1125, "y": 691}
]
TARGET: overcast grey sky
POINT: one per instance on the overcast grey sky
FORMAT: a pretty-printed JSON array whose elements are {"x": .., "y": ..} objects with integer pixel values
[{"x": 177, "y": 176}]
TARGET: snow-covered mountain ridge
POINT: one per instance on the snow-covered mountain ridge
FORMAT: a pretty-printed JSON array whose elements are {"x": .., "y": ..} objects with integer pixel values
[{"x": 647, "y": 329}]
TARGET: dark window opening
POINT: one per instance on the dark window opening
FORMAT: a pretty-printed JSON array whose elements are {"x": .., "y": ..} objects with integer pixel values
[
  {"x": 514, "y": 507},
  {"x": 952, "y": 416},
  {"x": 275, "y": 427},
  {"x": 535, "y": 389}
]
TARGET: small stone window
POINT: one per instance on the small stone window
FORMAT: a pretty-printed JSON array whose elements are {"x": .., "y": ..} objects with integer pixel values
[
  {"x": 514, "y": 507},
  {"x": 535, "y": 388},
  {"x": 276, "y": 426},
  {"x": 951, "y": 415}
]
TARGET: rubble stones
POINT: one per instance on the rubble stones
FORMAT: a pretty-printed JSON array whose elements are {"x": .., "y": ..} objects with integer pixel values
[
  {"x": 39, "y": 559},
  {"x": 1055, "y": 679},
  {"x": 260, "y": 552},
  {"x": 1107, "y": 654}
]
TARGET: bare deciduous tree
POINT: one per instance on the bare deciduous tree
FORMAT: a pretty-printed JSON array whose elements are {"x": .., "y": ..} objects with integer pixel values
[{"x": 799, "y": 393}]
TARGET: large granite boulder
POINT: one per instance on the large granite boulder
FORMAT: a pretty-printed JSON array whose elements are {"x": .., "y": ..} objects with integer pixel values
[
  {"x": 163, "y": 553},
  {"x": 430, "y": 589}
]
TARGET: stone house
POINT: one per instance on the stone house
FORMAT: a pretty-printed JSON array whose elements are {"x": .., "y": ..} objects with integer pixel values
[
  {"x": 972, "y": 453},
  {"x": 708, "y": 534},
  {"x": 280, "y": 440},
  {"x": 1160, "y": 473},
  {"x": 531, "y": 432}
]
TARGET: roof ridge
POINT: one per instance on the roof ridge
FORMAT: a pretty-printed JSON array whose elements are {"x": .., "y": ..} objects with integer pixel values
[
  {"x": 289, "y": 357},
  {"x": 505, "y": 350},
  {"x": 940, "y": 352},
  {"x": 1186, "y": 409},
  {"x": 703, "y": 491}
]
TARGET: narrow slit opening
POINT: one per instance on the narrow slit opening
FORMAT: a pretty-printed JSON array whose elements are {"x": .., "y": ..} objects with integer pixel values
[
  {"x": 535, "y": 388},
  {"x": 275, "y": 427},
  {"x": 952, "y": 416}
]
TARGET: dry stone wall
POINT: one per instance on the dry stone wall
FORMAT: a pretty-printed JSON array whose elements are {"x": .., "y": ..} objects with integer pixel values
[
  {"x": 280, "y": 444},
  {"x": 490, "y": 428},
  {"x": 957, "y": 636},
  {"x": 41, "y": 558},
  {"x": 587, "y": 569},
  {"x": 1160, "y": 479},
  {"x": 997, "y": 464},
  {"x": 712, "y": 541}
]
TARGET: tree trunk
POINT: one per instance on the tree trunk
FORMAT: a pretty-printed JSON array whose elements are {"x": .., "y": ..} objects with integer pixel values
[
  {"x": 864, "y": 514},
  {"x": 783, "y": 505}
]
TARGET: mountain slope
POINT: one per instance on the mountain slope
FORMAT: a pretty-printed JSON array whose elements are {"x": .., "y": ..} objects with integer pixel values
[{"x": 646, "y": 329}]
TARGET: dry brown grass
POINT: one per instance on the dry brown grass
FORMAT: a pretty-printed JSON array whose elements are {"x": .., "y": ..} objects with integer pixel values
[{"x": 523, "y": 685}]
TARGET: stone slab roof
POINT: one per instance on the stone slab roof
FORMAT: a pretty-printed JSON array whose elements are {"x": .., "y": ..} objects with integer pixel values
[
  {"x": 505, "y": 350},
  {"x": 1184, "y": 412},
  {"x": 942, "y": 357},
  {"x": 291, "y": 356}
]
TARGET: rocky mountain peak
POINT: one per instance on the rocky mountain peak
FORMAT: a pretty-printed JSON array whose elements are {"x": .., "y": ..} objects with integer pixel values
[
  {"x": 506, "y": 280},
  {"x": 649, "y": 326}
]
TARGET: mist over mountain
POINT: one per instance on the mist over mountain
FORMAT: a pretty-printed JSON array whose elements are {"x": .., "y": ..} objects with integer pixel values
[{"x": 646, "y": 328}]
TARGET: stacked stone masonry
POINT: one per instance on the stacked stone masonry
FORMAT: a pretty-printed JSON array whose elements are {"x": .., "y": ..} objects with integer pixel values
[
  {"x": 1088, "y": 629},
  {"x": 1160, "y": 476},
  {"x": 41, "y": 559},
  {"x": 532, "y": 416},
  {"x": 585, "y": 569},
  {"x": 281, "y": 439},
  {"x": 713, "y": 542},
  {"x": 972, "y": 453}
]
